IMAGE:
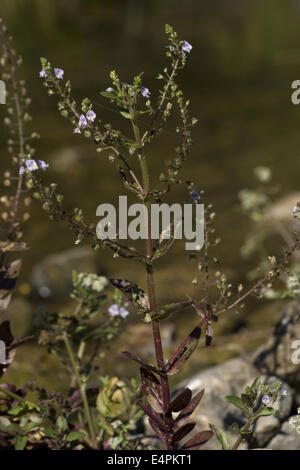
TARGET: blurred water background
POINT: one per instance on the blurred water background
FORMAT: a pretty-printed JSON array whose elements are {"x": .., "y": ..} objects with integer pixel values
[{"x": 245, "y": 55}]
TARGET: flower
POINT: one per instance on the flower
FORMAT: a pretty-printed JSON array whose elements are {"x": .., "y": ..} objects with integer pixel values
[
  {"x": 284, "y": 392},
  {"x": 195, "y": 196},
  {"x": 123, "y": 312},
  {"x": 115, "y": 311},
  {"x": 265, "y": 400},
  {"x": 43, "y": 73},
  {"x": 82, "y": 121},
  {"x": 186, "y": 47},
  {"x": 90, "y": 115},
  {"x": 109, "y": 89},
  {"x": 43, "y": 165},
  {"x": 59, "y": 73},
  {"x": 31, "y": 165},
  {"x": 145, "y": 92},
  {"x": 77, "y": 130}
]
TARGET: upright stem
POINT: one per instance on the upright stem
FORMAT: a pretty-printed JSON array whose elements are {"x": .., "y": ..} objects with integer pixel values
[
  {"x": 81, "y": 386},
  {"x": 151, "y": 284}
]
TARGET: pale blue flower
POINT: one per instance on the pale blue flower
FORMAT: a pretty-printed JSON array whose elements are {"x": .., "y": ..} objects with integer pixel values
[
  {"x": 43, "y": 165},
  {"x": 82, "y": 121},
  {"x": 90, "y": 115},
  {"x": 31, "y": 165},
  {"x": 284, "y": 392},
  {"x": 123, "y": 312},
  {"x": 109, "y": 89},
  {"x": 113, "y": 310},
  {"x": 77, "y": 130},
  {"x": 59, "y": 73},
  {"x": 43, "y": 73},
  {"x": 186, "y": 47},
  {"x": 266, "y": 400},
  {"x": 22, "y": 170},
  {"x": 145, "y": 92}
]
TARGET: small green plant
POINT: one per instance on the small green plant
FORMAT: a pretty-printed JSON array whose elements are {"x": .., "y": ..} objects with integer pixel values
[{"x": 257, "y": 401}]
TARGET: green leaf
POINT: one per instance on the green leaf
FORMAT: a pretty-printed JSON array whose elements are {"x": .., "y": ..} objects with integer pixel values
[
  {"x": 75, "y": 436},
  {"x": 107, "y": 94},
  {"x": 255, "y": 385},
  {"x": 20, "y": 442},
  {"x": 267, "y": 411},
  {"x": 247, "y": 400},
  {"x": 234, "y": 428},
  {"x": 62, "y": 423},
  {"x": 50, "y": 432},
  {"x": 236, "y": 401},
  {"x": 221, "y": 436},
  {"x": 125, "y": 114}
]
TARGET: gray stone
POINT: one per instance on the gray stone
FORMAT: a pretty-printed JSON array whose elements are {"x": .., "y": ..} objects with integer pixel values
[
  {"x": 231, "y": 378},
  {"x": 275, "y": 358},
  {"x": 286, "y": 439}
]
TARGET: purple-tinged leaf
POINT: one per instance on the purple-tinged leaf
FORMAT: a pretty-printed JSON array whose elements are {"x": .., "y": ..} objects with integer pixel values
[
  {"x": 189, "y": 409},
  {"x": 182, "y": 432},
  {"x": 161, "y": 434},
  {"x": 198, "y": 440},
  {"x": 180, "y": 401},
  {"x": 153, "y": 416},
  {"x": 184, "y": 352},
  {"x": 152, "y": 390},
  {"x": 134, "y": 294},
  {"x": 131, "y": 356}
]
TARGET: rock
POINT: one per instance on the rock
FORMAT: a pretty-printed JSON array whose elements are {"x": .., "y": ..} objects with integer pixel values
[
  {"x": 52, "y": 277},
  {"x": 231, "y": 378},
  {"x": 286, "y": 439},
  {"x": 275, "y": 358}
]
